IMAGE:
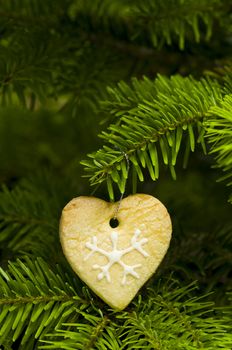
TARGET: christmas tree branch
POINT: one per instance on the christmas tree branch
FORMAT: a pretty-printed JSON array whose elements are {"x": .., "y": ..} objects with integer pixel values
[
  {"x": 159, "y": 23},
  {"x": 29, "y": 215},
  {"x": 189, "y": 317},
  {"x": 152, "y": 119},
  {"x": 57, "y": 59},
  {"x": 179, "y": 21},
  {"x": 96, "y": 334},
  {"x": 34, "y": 299},
  {"x": 24, "y": 225},
  {"x": 169, "y": 319},
  {"x": 38, "y": 303},
  {"x": 219, "y": 133}
]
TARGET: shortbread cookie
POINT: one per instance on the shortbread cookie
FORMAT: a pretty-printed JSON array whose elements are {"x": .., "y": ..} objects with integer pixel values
[{"x": 115, "y": 261}]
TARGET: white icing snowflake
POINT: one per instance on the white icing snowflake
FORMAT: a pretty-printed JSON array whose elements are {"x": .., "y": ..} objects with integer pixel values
[{"x": 114, "y": 257}]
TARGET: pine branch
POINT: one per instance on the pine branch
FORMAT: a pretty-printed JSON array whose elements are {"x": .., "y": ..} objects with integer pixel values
[
  {"x": 61, "y": 55},
  {"x": 29, "y": 215},
  {"x": 160, "y": 23},
  {"x": 31, "y": 72},
  {"x": 165, "y": 21},
  {"x": 151, "y": 22},
  {"x": 152, "y": 120},
  {"x": 212, "y": 267},
  {"x": 97, "y": 333},
  {"x": 23, "y": 227},
  {"x": 34, "y": 300},
  {"x": 25, "y": 67},
  {"x": 169, "y": 318},
  {"x": 219, "y": 133},
  {"x": 187, "y": 325},
  {"x": 39, "y": 304},
  {"x": 23, "y": 10},
  {"x": 86, "y": 87}
]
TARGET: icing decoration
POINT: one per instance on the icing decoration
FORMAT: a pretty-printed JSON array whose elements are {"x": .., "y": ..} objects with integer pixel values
[{"x": 116, "y": 255}]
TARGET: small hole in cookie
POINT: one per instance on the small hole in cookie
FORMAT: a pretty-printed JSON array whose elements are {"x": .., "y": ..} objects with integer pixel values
[{"x": 114, "y": 222}]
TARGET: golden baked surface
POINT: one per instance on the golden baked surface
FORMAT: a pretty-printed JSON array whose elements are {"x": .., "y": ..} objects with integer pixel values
[{"x": 115, "y": 262}]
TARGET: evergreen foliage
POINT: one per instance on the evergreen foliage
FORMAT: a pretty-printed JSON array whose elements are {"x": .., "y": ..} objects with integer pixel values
[
  {"x": 220, "y": 136},
  {"x": 163, "y": 322},
  {"x": 32, "y": 295},
  {"x": 153, "y": 79},
  {"x": 149, "y": 113}
]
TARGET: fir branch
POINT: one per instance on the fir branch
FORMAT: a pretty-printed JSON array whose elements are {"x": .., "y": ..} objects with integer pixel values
[
  {"x": 29, "y": 215},
  {"x": 86, "y": 87},
  {"x": 61, "y": 55},
  {"x": 27, "y": 71},
  {"x": 166, "y": 20},
  {"x": 97, "y": 333},
  {"x": 205, "y": 257},
  {"x": 172, "y": 319},
  {"x": 148, "y": 114},
  {"x": 152, "y": 22},
  {"x": 160, "y": 23},
  {"x": 33, "y": 72},
  {"x": 169, "y": 318},
  {"x": 23, "y": 10},
  {"x": 24, "y": 226},
  {"x": 219, "y": 133},
  {"x": 41, "y": 62},
  {"x": 218, "y": 257},
  {"x": 34, "y": 300}
]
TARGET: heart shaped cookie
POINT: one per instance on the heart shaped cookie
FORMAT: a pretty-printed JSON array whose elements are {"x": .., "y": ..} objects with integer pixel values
[{"x": 115, "y": 261}]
